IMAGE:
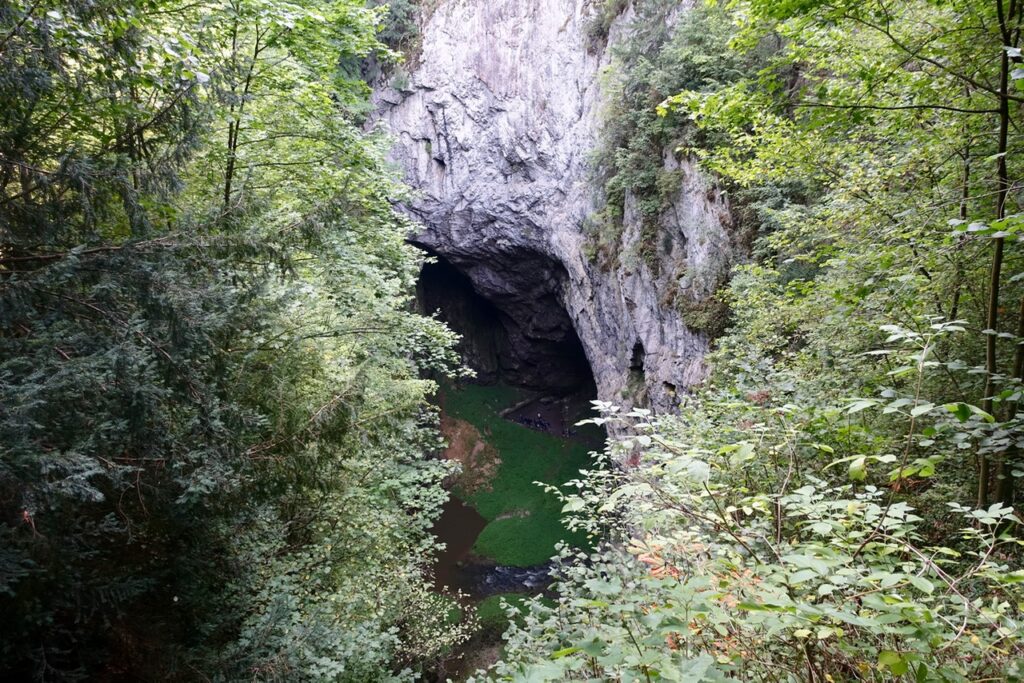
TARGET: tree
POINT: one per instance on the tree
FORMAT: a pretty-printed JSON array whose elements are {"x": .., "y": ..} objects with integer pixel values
[
  {"x": 812, "y": 513},
  {"x": 213, "y": 418},
  {"x": 902, "y": 115}
]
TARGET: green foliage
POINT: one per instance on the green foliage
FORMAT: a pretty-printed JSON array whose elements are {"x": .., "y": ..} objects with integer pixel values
[
  {"x": 401, "y": 23},
  {"x": 451, "y": 609},
  {"x": 710, "y": 316},
  {"x": 642, "y": 147},
  {"x": 656, "y": 59},
  {"x": 494, "y": 611},
  {"x": 401, "y": 39},
  {"x": 748, "y": 541},
  {"x": 524, "y": 520},
  {"x": 838, "y": 501},
  {"x": 213, "y": 418},
  {"x": 600, "y": 22}
]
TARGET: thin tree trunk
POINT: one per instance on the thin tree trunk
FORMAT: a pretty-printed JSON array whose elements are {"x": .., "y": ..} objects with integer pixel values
[
  {"x": 1010, "y": 462},
  {"x": 1018, "y": 356},
  {"x": 229, "y": 170},
  {"x": 965, "y": 196},
  {"x": 992, "y": 321},
  {"x": 235, "y": 125}
]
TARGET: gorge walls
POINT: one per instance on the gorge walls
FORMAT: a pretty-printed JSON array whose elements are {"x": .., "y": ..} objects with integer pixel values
[{"x": 494, "y": 124}]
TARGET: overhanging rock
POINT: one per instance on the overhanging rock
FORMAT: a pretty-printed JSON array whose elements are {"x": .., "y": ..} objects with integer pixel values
[{"x": 494, "y": 129}]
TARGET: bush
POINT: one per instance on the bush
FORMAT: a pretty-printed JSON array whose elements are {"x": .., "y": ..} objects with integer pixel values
[
  {"x": 757, "y": 536},
  {"x": 600, "y": 22}
]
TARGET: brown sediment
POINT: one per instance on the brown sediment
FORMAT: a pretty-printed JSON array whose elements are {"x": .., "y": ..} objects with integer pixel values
[
  {"x": 457, "y": 528},
  {"x": 480, "y": 460}
]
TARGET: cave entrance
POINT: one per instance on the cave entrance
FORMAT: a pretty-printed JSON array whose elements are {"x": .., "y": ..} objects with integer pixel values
[
  {"x": 512, "y": 426},
  {"x": 636, "y": 381},
  {"x": 526, "y": 339}
]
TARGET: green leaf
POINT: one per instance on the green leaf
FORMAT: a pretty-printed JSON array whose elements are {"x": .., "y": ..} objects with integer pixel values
[
  {"x": 858, "y": 469},
  {"x": 963, "y": 412},
  {"x": 922, "y": 584},
  {"x": 744, "y": 453},
  {"x": 887, "y": 659},
  {"x": 821, "y": 528},
  {"x": 802, "y": 576},
  {"x": 861, "y": 404},
  {"x": 764, "y": 607},
  {"x": 574, "y": 505},
  {"x": 922, "y": 409}
]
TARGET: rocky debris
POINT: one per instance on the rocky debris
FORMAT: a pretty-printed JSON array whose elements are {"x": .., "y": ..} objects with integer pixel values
[
  {"x": 494, "y": 129},
  {"x": 487, "y": 580},
  {"x": 479, "y": 460}
]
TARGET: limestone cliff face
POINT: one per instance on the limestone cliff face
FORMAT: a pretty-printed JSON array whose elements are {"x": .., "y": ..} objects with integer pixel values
[{"x": 495, "y": 127}]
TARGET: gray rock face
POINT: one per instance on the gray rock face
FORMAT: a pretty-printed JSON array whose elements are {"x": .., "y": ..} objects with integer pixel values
[{"x": 495, "y": 128}]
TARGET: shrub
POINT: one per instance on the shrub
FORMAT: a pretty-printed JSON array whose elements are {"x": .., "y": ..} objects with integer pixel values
[{"x": 762, "y": 535}]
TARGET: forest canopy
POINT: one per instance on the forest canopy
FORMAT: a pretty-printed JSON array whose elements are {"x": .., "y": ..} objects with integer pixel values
[{"x": 212, "y": 412}]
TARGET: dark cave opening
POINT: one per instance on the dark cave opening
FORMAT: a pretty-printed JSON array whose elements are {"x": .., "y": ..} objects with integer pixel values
[
  {"x": 525, "y": 340},
  {"x": 636, "y": 381},
  {"x": 637, "y": 358},
  {"x": 517, "y": 335}
]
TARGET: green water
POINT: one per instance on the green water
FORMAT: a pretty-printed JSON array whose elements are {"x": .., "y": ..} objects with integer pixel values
[
  {"x": 523, "y": 521},
  {"x": 511, "y": 522}
]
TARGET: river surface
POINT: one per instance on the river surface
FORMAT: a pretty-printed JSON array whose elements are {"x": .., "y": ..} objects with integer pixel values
[
  {"x": 457, "y": 527},
  {"x": 458, "y": 570}
]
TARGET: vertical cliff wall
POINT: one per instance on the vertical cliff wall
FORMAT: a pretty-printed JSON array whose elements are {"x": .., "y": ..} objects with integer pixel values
[{"x": 495, "y": 126}]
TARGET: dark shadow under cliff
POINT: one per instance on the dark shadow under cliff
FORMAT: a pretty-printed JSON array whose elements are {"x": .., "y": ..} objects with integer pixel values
[{"x": 526, "y": 340}]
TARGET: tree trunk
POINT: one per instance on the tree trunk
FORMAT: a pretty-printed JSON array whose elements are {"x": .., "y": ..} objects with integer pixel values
[
  {"x": 1012, "y": 459},
  {"x": 991, "y": 366}
]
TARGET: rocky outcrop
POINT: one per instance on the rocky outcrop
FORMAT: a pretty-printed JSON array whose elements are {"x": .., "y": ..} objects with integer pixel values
[{"x": 494, "y": 127}]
